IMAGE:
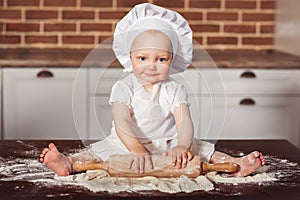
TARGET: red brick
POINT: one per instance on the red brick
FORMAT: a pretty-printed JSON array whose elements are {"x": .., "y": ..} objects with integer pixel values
[
  {"x": 170, "y": 3},
  {"x": 60, "y": 27},
  {"x": 131, "y": 3},
  {"x": 71, "y": 39},
  {"x": 199, "y": 40},
  {"x": 205, "y": 4},
  {"x": 241, "y": 4},
  {"x": 23, "y": 27},
  {"x": 222, "y": 16},
  {"x": 96, "y": 27},
  {"x": 103, "y": 38},
  {"x": 267, "y": 29},
  {"x": 41, "y": 14},
  {"x": 41, "y": 39},
  {"x": 240, "y": 28},
  {"x": 258, "y": 17},
  {"x": 96, "y": 3},
  {"x": 23, "y": 2},
  {"x": 205, "y": 28},
  {"x": 192, "y": 15},
  {"x": 60, "y": 3},
  {"x": 78, "y": 14},
  {"x": 258, "y": 41},
  {"x": 10, "y": 14},
  {"x": 111, "y": 15},
  {"x": 268, "y": 5},
  {"x": 10, "y": 39},
  {"x": 222, "y": 40}
]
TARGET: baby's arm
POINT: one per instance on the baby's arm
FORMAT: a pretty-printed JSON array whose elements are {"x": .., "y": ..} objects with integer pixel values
[
  {"x": 124, "y": 129},
  {"x": 181, "y": 154}
]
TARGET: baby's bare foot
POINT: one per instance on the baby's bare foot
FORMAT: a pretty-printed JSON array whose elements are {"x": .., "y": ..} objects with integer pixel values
[
  {"x": 56, "y": 161},
  {"x": 249, "y": 163}
]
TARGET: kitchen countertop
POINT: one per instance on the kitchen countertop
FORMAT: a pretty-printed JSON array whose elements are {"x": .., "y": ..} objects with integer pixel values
[
  {"x": 281, "y": 151},
  {"x": 267, "y": 59}
]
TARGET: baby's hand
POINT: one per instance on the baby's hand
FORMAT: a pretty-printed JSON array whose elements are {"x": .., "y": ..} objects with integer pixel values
[
  {"x": 140, "y": 160},
  {"x": 180, "y": 156}
]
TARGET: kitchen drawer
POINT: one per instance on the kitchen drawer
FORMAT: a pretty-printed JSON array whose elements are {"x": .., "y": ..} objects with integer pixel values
[
  {"x": 101, "y": 80},
  {"x": 100, "y": 117},
  {"x": 251, "y": 118},
  {"x": 251, "y": 81}
]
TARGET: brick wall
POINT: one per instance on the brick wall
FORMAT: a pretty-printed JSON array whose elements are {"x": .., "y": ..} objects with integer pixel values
[{"x": 217, "y": 24}]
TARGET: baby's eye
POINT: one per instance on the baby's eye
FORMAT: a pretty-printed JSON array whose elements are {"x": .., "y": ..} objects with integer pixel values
[
  {"x": 162, "y": 59},
  {"x": 142, "y": 58}
]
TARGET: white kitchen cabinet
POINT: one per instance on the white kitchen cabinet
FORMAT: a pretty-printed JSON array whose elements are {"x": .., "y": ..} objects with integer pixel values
[
  {"x": 262, "y": 118},
  {"x": 100, "y": 117},
  {"x": 259, "y": 104},
  {"x": 226, "y": 103},
  {"x": 38, "y": 104}
]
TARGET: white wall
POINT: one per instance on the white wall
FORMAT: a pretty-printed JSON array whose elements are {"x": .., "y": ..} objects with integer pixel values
[{"x": 288, "y": 26}]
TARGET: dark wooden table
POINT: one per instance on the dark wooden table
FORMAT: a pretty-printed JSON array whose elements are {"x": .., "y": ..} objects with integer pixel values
[
  {"x": 287, "y": 187},
  {"x": 43, "y": 58}
]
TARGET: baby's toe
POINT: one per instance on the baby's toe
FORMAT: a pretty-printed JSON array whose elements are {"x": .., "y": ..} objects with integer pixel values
[
  {"x": 256, "y": 154},
  {"x": 52, "y": 147},
  {"x": 45, "y": 151}
]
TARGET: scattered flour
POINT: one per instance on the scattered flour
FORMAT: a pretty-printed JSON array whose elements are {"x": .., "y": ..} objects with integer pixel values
[
  {"x": 257, "y": 178},
  {"x": 31, "y": 170}
]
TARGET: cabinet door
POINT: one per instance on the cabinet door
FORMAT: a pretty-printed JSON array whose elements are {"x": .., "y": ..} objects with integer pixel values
[
  {"x": 190, "y": 78},
  {"x": 253, "y": 118},
  {"x": 100, "y": 117},
  {"x": 101, "y": 80},
  {"x": 38, "y": 104}
]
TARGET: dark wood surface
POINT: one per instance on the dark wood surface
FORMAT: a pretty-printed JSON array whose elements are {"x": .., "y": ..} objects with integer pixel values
[
  {"x": 286, "y": 188},
  {"x": 34, "y": 57}
]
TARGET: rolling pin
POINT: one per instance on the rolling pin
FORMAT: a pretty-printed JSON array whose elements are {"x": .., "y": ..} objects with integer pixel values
[{"x": 117, "y": 166}]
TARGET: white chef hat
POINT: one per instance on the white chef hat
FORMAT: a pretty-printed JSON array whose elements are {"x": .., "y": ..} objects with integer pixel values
[{"x": 145, "y": 17}]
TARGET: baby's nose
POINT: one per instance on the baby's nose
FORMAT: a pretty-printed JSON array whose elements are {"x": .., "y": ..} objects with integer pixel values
[{"x": 152, "y": 66}]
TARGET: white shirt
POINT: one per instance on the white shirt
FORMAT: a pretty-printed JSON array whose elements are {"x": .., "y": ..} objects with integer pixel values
[{"x": 153, "y": 113}]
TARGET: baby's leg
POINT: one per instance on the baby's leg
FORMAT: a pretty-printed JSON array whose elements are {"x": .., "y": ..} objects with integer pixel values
[
  {"x": 61, "y": 164},
  {"x": 248, "y": 163}
]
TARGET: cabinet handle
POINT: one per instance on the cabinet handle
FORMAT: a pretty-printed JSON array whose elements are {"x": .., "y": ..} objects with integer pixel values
[
  {"x": 248, "y": 74},
  {"x": 45, "y": 74},
  {"x": 247, "y": 102}
]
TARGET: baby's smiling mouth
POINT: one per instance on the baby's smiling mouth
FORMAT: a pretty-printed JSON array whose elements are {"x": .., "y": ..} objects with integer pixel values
[{"x": 151, "y": 74}]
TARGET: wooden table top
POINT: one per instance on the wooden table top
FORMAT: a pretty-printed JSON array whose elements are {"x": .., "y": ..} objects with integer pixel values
[
  {"x": 34, "y": 57},
  {"x": 288, "y": 187}
]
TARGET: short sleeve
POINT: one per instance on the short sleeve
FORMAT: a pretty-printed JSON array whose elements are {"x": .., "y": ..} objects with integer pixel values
[
  {"x": 180, "y": 97},
  {"x": 121, "y": 93}
]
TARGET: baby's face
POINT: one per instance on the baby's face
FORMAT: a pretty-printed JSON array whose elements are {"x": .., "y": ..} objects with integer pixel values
[{"x": 151, "y": 57}]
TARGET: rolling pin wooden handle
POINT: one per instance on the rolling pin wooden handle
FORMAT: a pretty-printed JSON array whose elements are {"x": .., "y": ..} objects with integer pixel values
[
  {"x": 83, "y": 166},
  {"x": 220, "y": 167}
]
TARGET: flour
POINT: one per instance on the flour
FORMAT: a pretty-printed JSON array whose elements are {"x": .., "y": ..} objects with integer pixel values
[
  {"x": 277, "y": 171},
  {"x": 257, "y": 178}
]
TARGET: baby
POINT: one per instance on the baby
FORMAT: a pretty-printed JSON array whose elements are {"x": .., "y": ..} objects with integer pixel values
[{"x": 150, "y": 110}]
